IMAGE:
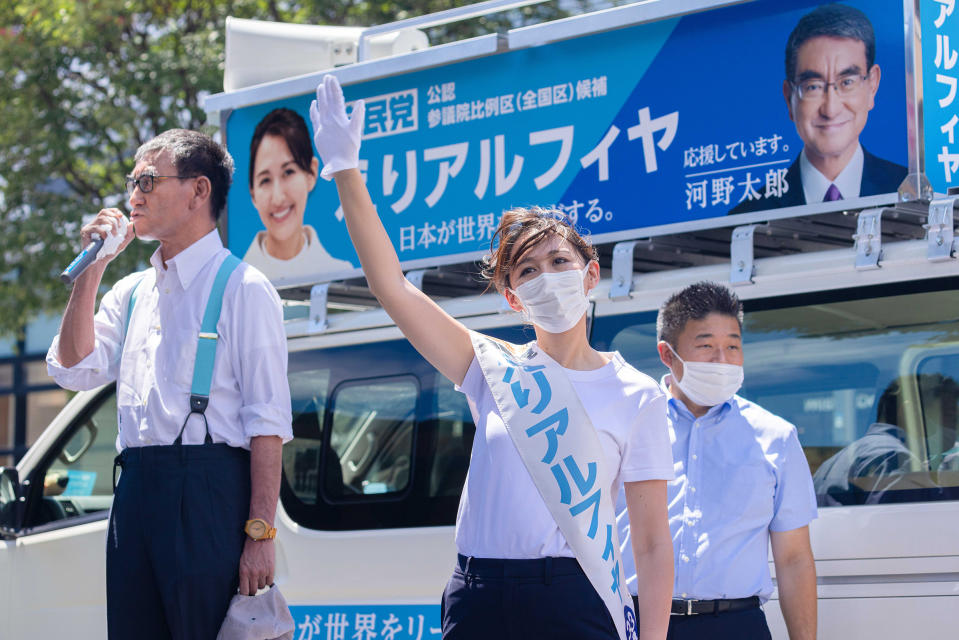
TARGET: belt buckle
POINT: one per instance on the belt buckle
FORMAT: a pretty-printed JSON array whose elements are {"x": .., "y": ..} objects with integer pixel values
[{"x": 689, "y": 608}]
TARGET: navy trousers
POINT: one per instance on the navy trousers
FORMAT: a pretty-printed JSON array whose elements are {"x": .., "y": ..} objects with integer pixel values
[
  {"x": 748, "y": 624},
  {"x": 175, "y": 540},
  {"x": 523, "y": 599}
]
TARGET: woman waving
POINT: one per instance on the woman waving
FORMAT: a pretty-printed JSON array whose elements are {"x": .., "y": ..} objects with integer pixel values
[{"x": 559, "y": 426}]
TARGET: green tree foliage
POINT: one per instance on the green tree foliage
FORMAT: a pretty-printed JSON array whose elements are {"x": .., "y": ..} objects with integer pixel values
[{"x": 84, "y": 83}]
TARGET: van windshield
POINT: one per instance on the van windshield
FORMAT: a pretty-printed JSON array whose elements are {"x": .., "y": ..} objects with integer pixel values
[{"x": 872, "y": 385}]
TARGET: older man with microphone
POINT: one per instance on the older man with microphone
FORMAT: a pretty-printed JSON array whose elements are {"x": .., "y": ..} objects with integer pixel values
[{"x": 196, "y": 346}]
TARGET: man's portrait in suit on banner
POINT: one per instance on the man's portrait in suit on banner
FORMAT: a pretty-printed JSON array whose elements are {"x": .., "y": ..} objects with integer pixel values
[{"x": 830, "y": 87}]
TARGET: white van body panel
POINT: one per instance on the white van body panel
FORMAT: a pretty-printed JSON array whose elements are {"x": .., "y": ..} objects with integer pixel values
[
  {"x": 60, "y": 583},
  {"x": 407, "y": 566},
  {"x": 884, "y": 570}
]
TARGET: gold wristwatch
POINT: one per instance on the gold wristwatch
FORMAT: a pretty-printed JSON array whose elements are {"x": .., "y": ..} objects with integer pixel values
[{"x": 259, "y": 529}]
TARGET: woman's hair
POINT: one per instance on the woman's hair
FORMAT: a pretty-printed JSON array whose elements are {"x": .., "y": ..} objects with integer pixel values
[
  {"x": 289, "y": 125},
  {"x": 520, "y": 230}
]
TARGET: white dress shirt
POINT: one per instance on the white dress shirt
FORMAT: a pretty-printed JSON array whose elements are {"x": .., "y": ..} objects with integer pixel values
[
  {"x": 249, "y": 394},
  {"x": 740, "y": 473},
  {"x": 815, "y": 184},
  {"x": 502, "y": 514}
]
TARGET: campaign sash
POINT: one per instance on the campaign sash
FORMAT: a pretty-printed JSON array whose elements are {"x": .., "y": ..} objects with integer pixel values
[{"x": 560, "y": 448}]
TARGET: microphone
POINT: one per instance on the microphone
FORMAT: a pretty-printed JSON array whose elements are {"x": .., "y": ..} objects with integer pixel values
[{"x": 83, "y": 260}]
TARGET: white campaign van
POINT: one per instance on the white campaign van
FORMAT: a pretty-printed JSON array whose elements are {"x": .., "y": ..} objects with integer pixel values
[{"x": 851, "y": 334}]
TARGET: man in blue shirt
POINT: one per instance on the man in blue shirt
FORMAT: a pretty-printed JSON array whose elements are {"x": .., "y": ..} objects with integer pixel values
[{"x": 742, "y": 482}]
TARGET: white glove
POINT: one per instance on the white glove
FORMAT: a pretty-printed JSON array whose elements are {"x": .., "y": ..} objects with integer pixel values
[
  {"x": 337, "y": 137},
  {"x": 113, "y": 236}
]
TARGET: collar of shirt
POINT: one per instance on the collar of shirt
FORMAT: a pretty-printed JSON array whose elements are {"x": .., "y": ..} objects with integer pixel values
[
  {"x": 815, "y": 184},
  {"x": 678, "y": 409},
  {"x": 189, "y": 262}
]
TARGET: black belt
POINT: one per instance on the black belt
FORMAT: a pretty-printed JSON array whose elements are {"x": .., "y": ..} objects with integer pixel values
[{"x": 699, "y": 607}]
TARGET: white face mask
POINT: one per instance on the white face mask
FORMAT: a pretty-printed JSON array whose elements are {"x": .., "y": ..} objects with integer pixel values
[
  {"x": 556, "y": 301},
  {"x": 709, "y": 383}
]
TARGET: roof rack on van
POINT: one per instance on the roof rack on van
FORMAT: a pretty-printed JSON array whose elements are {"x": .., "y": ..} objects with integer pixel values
[{"x": 862, "y": 231}]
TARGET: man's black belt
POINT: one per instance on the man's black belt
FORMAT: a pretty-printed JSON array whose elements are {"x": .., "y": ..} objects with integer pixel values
[{"x": 699, "y": 607}]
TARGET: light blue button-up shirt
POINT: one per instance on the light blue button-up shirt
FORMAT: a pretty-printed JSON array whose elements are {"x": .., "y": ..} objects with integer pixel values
[{"x": 740, "y": 473}]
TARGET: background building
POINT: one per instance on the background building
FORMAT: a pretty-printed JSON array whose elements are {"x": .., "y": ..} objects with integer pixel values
[{"x": 29, "y": 399}]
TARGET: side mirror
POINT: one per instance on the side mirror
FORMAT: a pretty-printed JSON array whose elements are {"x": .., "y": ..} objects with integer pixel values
[
  {"x": 11, "y": 502},
  {"x": 81, "y": 441}
]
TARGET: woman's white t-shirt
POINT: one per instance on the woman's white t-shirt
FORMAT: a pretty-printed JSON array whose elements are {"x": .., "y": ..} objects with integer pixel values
[
  {"x": 501, "y": 512},
  {"x": 311, "y": 260}
]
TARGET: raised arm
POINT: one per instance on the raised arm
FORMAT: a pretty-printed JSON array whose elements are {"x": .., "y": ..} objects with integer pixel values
[{"x": 439, "y": 337}]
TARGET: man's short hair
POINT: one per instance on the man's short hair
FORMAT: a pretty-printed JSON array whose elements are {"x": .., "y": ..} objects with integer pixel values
[
  {"x": 835, "y": 21},
  {"x": 195, "y": 154},
  {"x": 695, "y": 302}
]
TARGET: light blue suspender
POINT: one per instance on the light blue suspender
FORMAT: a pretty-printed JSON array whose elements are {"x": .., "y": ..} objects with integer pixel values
[
  {"x": 206, "y": 345},
  {"x": 133, "y": 300}
]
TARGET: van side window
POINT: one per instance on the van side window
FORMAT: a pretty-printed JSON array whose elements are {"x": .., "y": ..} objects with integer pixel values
[
  {"x": 374, "y": 439},
  {"x": 938, "y": 390},
  {"x": 371, "y": 437},
  {"x": 77, "y": 478},
  {"x": 454, "y": 440},
  {"x": 381, "y": 440},
  {"x": 301, "y": 456},
  {"x": 871, "y": 382}
]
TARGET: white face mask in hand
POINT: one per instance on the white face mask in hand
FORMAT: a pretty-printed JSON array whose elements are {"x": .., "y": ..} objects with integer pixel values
[
  {"x": 554, "y": 301},
  {"x": 709, "y": 383},
  {"x": 113, "y": 237}
]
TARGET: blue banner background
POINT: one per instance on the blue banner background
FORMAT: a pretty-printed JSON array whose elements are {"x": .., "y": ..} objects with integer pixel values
[
  {"x": 364, "y": 622},
  {"x": 718, "y": 74},
  {"x": 941, "y": 98}
]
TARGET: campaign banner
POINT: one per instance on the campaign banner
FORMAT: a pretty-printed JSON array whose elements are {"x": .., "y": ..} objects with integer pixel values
[
  {"x": 365, "y": 622},
  {"x": 669, "y": 122},
  {"x": 939, "y": 25}
]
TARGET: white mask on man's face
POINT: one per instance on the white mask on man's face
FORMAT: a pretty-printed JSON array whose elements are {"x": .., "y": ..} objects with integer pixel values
[
  {"x": 708, "y": 383},
  {"x": 556, "y": 301}
]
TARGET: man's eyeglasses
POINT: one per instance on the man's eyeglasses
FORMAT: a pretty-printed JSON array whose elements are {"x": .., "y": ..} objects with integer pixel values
[
  {"x": 816, "y": 89},
  {"x": 146, "y": 181}
]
